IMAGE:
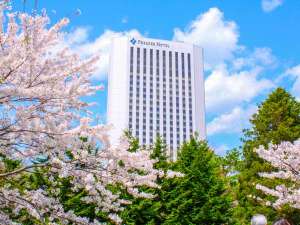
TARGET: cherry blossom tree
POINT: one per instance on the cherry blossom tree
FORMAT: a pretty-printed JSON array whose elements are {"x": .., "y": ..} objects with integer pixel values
[
  {"x": 43, "y": 121},
  {"x": 285, "y": 157}
]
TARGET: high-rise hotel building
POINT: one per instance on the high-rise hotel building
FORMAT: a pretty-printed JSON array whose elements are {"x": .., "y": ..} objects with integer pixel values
[{"x": 156, "y": 87}]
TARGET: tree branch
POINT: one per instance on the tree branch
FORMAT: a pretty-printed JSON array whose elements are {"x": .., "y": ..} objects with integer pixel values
[{"x": 22, "y": 169}]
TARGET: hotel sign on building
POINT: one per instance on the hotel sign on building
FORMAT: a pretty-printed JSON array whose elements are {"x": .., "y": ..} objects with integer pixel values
[{"x": 149, "y": 43}]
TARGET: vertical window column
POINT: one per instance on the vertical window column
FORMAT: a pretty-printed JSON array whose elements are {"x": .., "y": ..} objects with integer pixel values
[
  {"x": 190, "y": 95},
  {"x": 177, "y": 100},
  {"x": 130, "y": 90},
  {"x": 138, "y": 93},
  {"x": 157, "y": 94},
  {"x": 164, "y": 96},
  {"x": 144, "y": 95},
  {"x": 151, "y": 98},
  {"x": 171, "y": 104},
  {"x": 183, "y": 96}
]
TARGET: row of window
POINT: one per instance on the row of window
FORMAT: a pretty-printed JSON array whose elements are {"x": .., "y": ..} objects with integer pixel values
[
  {"x": 143, "y": 98},
  {"x": 138, "y": 62}
]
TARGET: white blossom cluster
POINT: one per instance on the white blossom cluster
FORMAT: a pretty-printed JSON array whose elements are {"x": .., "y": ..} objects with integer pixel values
[
  {"x": 285, "y": 157},
  {"x": 41, "y": 108}
]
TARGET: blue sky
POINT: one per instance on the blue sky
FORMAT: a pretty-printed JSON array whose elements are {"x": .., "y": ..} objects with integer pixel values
[{"x": 250, "y": 47}]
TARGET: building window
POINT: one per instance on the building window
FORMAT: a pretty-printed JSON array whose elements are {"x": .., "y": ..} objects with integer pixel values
[
  {"x": 189, "y": 65},
  {"x": 151, "y": 61},
  {"x": 190, "y": 91},
  {"x": 138, "y": 61},
  {"x": 131, "y": 87},
  {"x": 176, "y": 64},
  {"x": 157, "y": 62},
  {"x": 131, "y": 59},
  {"x": 170, "y": 64},
  {"x": 164, "y": 63},
  {"x": 144, "y": 60},
  {"x": 182, "y": 64}
]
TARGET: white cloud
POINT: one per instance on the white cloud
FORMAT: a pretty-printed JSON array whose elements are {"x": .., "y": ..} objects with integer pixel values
[
  {"x": 78, "y": 40},
  {"x": 78, "y": 36},
  {"x": 221, "y": 150},
  {"x": 260, "y": 56},
  {"x": 295, "y": 73},
  {"x": 232, "y": 79},
  {"x": 224, "y": 90},
  {"x": 264, "y": 56},
  {"x": 270, "y": 5},
  {"x": 218, "y": 37},
  {"x": 232, "y": 122}
]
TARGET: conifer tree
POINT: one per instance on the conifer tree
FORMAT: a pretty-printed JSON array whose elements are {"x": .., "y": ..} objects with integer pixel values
[
  {"x": 277, "y": 120},
  {"x": 200, "y": 197},
  {"x": 149, "y": 211}
]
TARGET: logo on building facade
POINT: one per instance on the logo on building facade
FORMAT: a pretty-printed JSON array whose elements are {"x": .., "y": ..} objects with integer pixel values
[
  {"x": 151, "y": 43},
  {"x": 133, "y": 41}
]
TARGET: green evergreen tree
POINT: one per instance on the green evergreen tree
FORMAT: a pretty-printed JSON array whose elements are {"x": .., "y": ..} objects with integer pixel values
[
  {"x": 150, "y": 211},
  {"x": 200, "y": 197},
  {"x": 277, "y": 120}
]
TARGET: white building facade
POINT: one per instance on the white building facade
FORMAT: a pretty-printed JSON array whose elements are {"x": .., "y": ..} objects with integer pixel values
[{"x": 156, "y": 87}]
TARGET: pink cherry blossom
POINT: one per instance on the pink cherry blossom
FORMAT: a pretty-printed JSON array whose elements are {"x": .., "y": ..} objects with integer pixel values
[
  {"x": 42, "y": 83},
  {"x": 285, "y": 157}
]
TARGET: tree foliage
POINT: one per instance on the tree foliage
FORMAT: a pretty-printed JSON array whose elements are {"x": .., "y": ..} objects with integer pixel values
[
  {"x": 285, "y": 158},
  {"x": 150, "y": 211},
  {"x": 276, "y": 120},
  {"x": 46, "y": 126},
  {"x": 199, "y": 197}
]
